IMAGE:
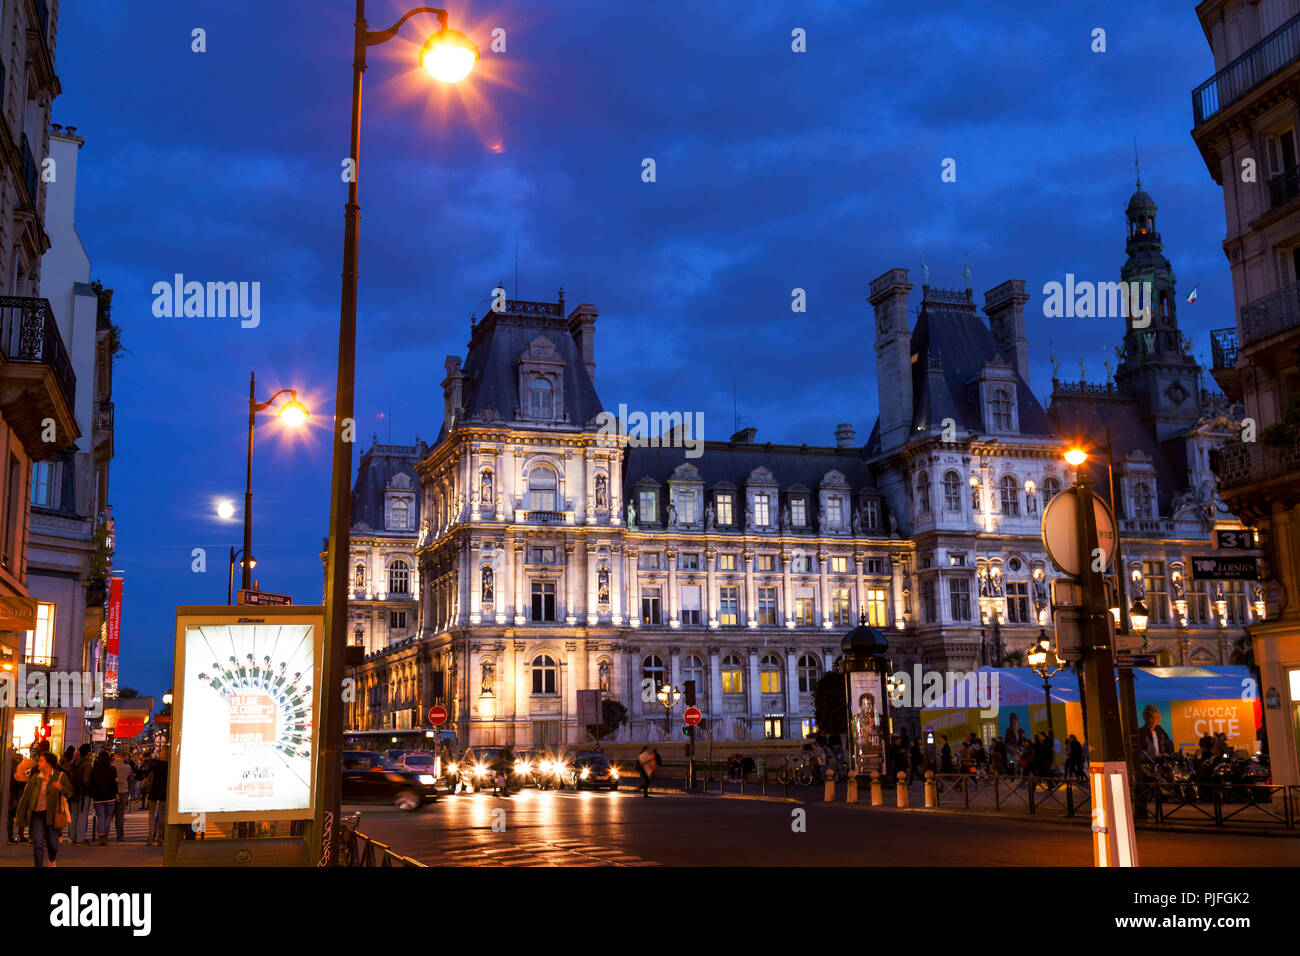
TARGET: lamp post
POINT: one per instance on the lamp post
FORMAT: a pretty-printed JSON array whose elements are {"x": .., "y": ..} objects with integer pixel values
[
  {"x": 448, "y": 56},
  {"x": 293, "y": 413},
  {"x": 230, "y": 585},
  {"x": 668, "y": 696},
  {"x": 1042, "y": 659}
]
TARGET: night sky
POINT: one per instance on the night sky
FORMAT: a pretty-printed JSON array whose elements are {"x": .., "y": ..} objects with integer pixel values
[{"x": 775, "y": 170}]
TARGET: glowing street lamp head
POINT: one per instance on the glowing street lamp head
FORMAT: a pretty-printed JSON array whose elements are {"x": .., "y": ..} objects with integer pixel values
[
  {"x": 1076, "y": 457},
  {"x": 448, "y": 55},
  {"x": 293, "y": 413}
]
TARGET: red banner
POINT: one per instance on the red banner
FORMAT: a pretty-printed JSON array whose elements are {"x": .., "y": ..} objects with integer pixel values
[
  {"x": 114, "y": 622},
  {"x": 127, "y": 727}
]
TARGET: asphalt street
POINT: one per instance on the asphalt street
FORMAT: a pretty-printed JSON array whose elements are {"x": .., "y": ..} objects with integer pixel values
[{"x": 625, "y": 829}]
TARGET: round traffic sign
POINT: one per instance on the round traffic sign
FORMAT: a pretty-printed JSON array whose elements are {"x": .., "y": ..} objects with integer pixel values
[
  {"x": 1061, "y": 531},
  {"x": 437, "y": 715},
  {"x": 692, "y": 716}
]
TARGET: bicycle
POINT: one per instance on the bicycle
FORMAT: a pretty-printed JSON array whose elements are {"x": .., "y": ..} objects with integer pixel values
[{"x": 799, "y": 774}]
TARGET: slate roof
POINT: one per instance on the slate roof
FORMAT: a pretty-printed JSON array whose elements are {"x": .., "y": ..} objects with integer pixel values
[
  {"x": 379, "y": 464},
  {"x": 960, "y": 341}
]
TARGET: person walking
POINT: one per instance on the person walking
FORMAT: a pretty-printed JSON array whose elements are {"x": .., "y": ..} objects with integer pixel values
[
  {"x": 916, "y": 762},
  {"x": 156, "y": 821},
  {"x": 124, "y": 772},
  {"x": 103, "y": 793},
  {"x": 645, "y": 762},
  {"x": 43, "y": 807},
  {"x": 945, "y": 756},
  {"x": 79, "y": 801},
  {"x": 1073, "y": 758}
]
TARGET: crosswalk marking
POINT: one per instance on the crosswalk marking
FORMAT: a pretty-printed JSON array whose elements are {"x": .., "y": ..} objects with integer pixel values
[{"x": 543, "y": 853}]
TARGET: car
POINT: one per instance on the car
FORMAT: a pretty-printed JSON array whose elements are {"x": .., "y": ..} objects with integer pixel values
[
  {"x": 555, "y": 770},
  {"x": 593, "y": 769},
  {"x": 473, "y": 768},
  {"x": 370, "y": 777},
  {"x": 421, "y": 761}
]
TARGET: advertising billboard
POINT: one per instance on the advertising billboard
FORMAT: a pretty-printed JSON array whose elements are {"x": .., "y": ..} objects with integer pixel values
[
  {"x": 247, "y": 692},
  {"x": 113, "y": 619},
  {"x": 866, "y": 721}
]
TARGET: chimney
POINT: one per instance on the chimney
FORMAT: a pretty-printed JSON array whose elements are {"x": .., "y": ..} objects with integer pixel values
[
  {"x": 845, "y": 435},
  {"x": 745, "y": 436},
  {"x": 1005, "y": 307},
  {"x": 453, "y": 391},
  {"x": 582, "y": 326},
  {"x": 893, "y": 357}
]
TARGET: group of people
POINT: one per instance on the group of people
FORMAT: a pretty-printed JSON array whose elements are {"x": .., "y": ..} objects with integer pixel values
[
  {"x": 1013, "y": 754},
  {"x": 81, "y": 792}
]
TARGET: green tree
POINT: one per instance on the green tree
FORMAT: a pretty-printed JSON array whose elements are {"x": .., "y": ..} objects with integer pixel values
[
  {"x": 829, "y": 706},
  {"x": 126, "y": 693}
]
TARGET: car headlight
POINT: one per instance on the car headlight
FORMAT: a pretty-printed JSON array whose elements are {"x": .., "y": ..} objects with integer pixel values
[
  {"x": 451, "y": 768},
  {"x": 521, "y": 768},
  {"x": 547, "y": 766},
  {"x": 613, "y": 772},
  {"x": 561, "y": 769},
  {"x": 427, "y": 778},
  {"x": 586, "y": 772},
  {"x": 480, "y": 770}
]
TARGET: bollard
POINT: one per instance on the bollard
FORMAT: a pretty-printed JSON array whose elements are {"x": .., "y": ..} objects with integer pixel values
[
  {"x": 853, "y": 789},
  {"x": 830, "y": 786},
  {"x": 931, "y": 796},
  {"x": 902, "y": 790},
  {"x": 877, "y": 798}
]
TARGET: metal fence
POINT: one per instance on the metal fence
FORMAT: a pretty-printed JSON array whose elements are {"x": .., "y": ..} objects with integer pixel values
[{"x": 358, "y": 849}]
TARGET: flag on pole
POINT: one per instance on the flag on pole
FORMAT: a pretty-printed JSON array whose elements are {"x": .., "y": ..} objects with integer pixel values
[{"x": 1191, "y": 296}]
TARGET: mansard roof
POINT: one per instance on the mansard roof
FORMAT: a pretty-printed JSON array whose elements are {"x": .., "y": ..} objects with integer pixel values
[
  {"x": 950, "y": 332},
  {"x": 380, "y": 464},
  {"x": 728, "y": 464},
  {"x": 498, "y": 342}
]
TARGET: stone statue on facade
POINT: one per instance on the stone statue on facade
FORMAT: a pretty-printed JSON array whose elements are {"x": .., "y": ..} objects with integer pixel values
[
  {"x": 672, "y": 515},
  {"x": 708, "y": 517},
  {"x": 785, "y": 517},
  {"x": 857, "y": 521},
  {"x": 602, "y": 492},
  {"x": 749, "y": 517},
  {"x": 603, "y": 669},
  {"x": 893, "y": 525},
  {"x": 489, "y": 677},
  {"x": 631, "y": 515},
  {"x": 602, "y": 585},
  {"x": 487, "y": 585},
  {"x": 485, "y": 488}
]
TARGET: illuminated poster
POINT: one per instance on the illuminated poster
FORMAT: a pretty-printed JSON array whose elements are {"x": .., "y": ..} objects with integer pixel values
[
  {"x": 866, "y": 721},
  {"x": 245, "y": 730},
  {"x": 113, "y": 620}
]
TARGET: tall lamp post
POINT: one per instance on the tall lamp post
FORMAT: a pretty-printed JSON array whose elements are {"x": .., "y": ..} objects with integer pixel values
[
  {"x": 249, "y": 563},
  {"x": 668, "y": 696},
  {"x": 448, "y": 56},
  {"x": 1042, "y": 659},
  {"x": 293, "y": 413}
]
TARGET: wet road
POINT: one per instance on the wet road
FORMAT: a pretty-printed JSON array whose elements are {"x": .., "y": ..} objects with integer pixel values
[{"x": 535, "y": 828}]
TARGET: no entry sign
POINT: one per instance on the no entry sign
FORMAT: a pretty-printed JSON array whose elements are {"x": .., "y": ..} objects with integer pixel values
[
  {"x": 692, "y": 716},
  {"x": 437, "y": 715}
]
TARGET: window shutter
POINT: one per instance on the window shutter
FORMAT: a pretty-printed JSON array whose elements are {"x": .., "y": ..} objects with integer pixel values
[
  {"x": 1285, "y": 269},
  {"x": 1273, "y": 149}
]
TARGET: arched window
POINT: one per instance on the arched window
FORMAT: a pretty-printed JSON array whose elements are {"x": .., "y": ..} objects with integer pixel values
[
  {"x": 652, "y": 669},
  {"x": 1051, "y": 488},
  {"x": 733, "y": 675},
  {"x": 541, "y": 489},
  {"x": 1001, "y": 404},
  {"x": 810, "y": 673},
  {"x": 769, "y": 674},
  {"x": 359, "y": 576},
  {"x": 541, "y": 399},
  {"x": 952, "y": 491},
  {"x": 399, "y": 577},
  {"x": 693, "y": 670},
  {"x": 544, "y": 674},
  {"x": 1009, "y": 495},
  {"x": 1142, "y": 500},
  {"x": 401, "y": 511},
  {"x": 923, "y": 493}
]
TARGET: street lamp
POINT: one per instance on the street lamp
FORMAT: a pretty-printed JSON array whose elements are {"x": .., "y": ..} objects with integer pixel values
[
  {"x": 1042, "y": 659},
  {"x": 668, "y": 696},
  {"x": 1076, "y": 457},
  {"x": 1138, "y": 616},
  {"x": 444, "y": 59},
  {"x": 230, "y": 585},
  {"x": 293, "y": 413}
]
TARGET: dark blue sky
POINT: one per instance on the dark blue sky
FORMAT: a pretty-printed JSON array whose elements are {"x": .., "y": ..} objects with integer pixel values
[{"x": 776, "y": 170}]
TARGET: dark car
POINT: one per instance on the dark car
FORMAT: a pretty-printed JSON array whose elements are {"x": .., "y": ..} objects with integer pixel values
[
  {"x": 593, "y": 769},
  {"x": 370, "y": 777}
]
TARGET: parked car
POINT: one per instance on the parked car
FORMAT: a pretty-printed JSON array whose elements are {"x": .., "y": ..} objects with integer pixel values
[
  {"x": 370, "y": 777},
  {"x": 593, "y": 769}
]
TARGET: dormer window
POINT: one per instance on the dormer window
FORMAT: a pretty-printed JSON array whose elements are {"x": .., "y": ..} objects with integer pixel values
[
  {"x": 541, "y": 489},
  {"x": 762, "y": 510},
  {"x": 1142, "y": 500},
  {"x": 723, "y": 501},
  {"x": 401, "y": 514},
  {"x": 799, "y": 512},
  {"x": 648, "y": 507},
  {"x": 541, "y": 399},
  {"x": 1001, "y": 408},
  {"x": 835, "y": 511}
]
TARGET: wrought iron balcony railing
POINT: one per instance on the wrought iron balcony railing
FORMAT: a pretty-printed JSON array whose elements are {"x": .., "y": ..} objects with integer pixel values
[
  {"x": 1146, "y": 527},
  {"x": 103, "y": 416},
  {"x": 1265, "y": 59},
  {"x": 1223, "y": 347},
  {"x": 1243, "y": 463},
  {"x": 28, "y": 333},
  {"x": 1270, "y": 315}
]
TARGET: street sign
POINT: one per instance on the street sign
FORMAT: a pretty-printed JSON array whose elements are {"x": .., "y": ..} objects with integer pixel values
[
  {"x": 1224, "y": 569},
  {"x": 249, "y": 596},
  {"x": 1061, "y": 532},
  {"x": 437, "y": 715},
  {"x": 1243, "y": 540},
  {"x": 692, "y": 716},
  {"x": 1135, "y": 660},
  {"x": 163, "y": 719}
]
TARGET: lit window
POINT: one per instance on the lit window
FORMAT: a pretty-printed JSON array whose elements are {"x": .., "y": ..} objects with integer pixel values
[
  {"x": 765, "y": 562},
  {"x": 769, "y": 674},
  {"x": 877, "y": 607},
  {"x": 732, "y": 675},
  {"x": 799, "y": 512},
  {"x": 840, "y": 608},
  {"x": 723, "y": 500},
  {"x": 762, "y": 511},
  {"x": 399, "y": 577},
  {"x": 1009, "y": 493},
  {"x": 544, "y": 674},
  {"x": 541, "y": 489},
  {"x": 767, "y": 606},
  {"x": 803, "y": 611},
  {"x": 840, "y": 565},
  {"x": 40, "y": 642},
  {"x": 728, "y": 606},
  {"x": 726, "y": 562}
]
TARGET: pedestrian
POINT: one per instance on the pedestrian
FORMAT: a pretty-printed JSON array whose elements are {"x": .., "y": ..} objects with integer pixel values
[
  {"x": 916, "y": 762},
  {"x": 1073, "y": 758},
  {"x": 659, "y": 761},
  {"x": 43, "y": 806},
  {"x": 156, "y": 821},
  {"x": 645, "y": 762},
  {"x": 82, "y": 808},
  {"x": 124, "y": 771},
  {"x": 945, "y": 756},
  {"x": 142, "y": 768},
  {"x": 501, "y": 767},
  {"x": 103, "y": 793},
  {"x": 23, "y": 767}
]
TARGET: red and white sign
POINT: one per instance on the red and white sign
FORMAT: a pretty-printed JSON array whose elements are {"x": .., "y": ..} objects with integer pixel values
[
  {"x": 437, "y": 715},
  {"x": 114, "y": 626},
  {"x": 692, "y": 716}
]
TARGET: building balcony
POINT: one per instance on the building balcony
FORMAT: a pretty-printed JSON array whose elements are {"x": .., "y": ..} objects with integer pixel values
[
  {"x": 1269, "y": 315},
  {"x": 544, "y": 517},
  {"x": 37, "y": 380},
  {"x": 103, "y": 416},
  {"x": 1267, "y": 58},
  {"x": 35, "y": 662},
  {"x": 1247, "y": 467},
  {"x": 1146, "y": 528},
  {"x": 1284, "y": 187}
]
